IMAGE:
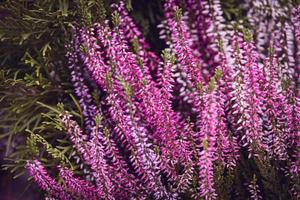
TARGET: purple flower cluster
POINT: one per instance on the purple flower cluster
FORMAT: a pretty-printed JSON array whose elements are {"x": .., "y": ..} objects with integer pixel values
[
  {"x": 234, "y": 84},
  {"x": 45, "y": 182}
]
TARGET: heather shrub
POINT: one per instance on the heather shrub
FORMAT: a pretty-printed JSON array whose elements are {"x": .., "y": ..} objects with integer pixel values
[{"x": 214, "y": 115}]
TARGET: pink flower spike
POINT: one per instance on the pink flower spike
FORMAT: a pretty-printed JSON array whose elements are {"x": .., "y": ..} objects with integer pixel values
[{"x": 45, "y": 182}]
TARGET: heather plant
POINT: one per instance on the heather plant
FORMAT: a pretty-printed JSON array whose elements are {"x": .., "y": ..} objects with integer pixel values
[{"x": 214, "y": 115}]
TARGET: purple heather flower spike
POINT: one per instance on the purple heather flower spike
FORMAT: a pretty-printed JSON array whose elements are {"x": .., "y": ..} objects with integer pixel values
[
  {"x": 89, "y": 110},
  {"x": 78, "y": 187},
  {"x": 188, "y": 61},
  {"x": 128, "y": 185},
  {"x": 276, "y": 110},
  {"x": 149, "y": 59},
  {"x": 273, "y": 28},
  {"x": 181, "y": 44},
  {"x": 227, "y": 148},
  {"x": 252, "y": 76},
  {"x": 207, "y": 137},
  {"x": 45, "y": 182},
  {"x": 294, "y": 136},
  {"x": 221, "y": 34},
  {"x": 166, "y": 74},
  {"x": 247, "y": 93},
  {"x": 91, "y": 54},
  {"x": 296, "y": 26},
  {"x": 265, "y": 17},
  {"x": 205, "y": 34},
  {"x": 93, "y": 153}
]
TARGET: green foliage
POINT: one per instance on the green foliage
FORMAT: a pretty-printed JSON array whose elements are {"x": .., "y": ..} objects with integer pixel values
[
  {"x": 231, "y": 10},
  {"x": 178, "y": 14},
  {"x": 34, "y": 78},
  {"x": 34, "y": 139},
  {"x": 116, "y": 19},
  {"x": 224, "y": 181},
  {"x": 90, "y": 11}
]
